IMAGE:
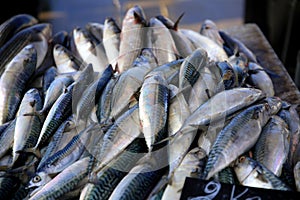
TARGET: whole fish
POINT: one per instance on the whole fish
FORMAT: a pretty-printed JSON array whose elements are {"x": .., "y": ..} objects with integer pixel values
[
  {"x": 253, "y": 174},
  {"x": 64, "y": 181},
  {"x": 239, "y": 136},
  {"x": 37, "y": 35},
  {"x": 274, "y": 135},
  {"x": 27, "y": 128},
  {"x": 211, "y": 30},
  {"x": 192, "y": 165},
  {"x": 153, "y": 108},
  {"x": 183, "y": 45},
  {"x": 214, "y": 51},
  {"x": 161, "y": 42},
  {"x": 111, "y": 40},
  {"x": 14, "y": 24},
  {"x": 65, "y": 60},
  {"x": 61, "y": 110},
  {"x": 259, "y": 78},
  {"x": 132, "y": 37},
  {"x": 13, "y": 82},
  {"x": 130, "y": 81}
]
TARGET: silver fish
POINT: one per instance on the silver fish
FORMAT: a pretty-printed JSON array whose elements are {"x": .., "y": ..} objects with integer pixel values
[
  {"x": 132, "y": 37},
  {"x": 236, "y": 138},
  {"x": 191, "y": 166},
  {"x": 13, "y": 81},
  {"x": 153, "y": 106},
  {"x": 253, "y": 174},
  {"x": 210, "y": 29},
  {"x": 274, "y": 135},
  {"x": 27, "y": 127},
  {"x": 214, "y": 51},
  {"x": 260, "y": 79},
  {"x": 161, "y": 42},
  {"x": 111, "y": 40}
]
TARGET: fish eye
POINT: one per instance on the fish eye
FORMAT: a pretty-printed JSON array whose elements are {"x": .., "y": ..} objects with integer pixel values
[
  {"x": 242, "y": 159},
  {"x": 36, "y": 179}
]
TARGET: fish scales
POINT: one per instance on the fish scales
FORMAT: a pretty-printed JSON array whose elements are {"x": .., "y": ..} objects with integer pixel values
[{"x": 236, "y": 138}]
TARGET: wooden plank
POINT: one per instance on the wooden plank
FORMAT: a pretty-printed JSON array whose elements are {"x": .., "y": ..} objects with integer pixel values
[{"x": 251, "y": 35}]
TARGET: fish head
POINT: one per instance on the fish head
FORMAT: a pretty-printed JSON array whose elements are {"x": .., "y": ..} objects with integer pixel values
[
  {"x": 38, "y": 180},
  {"x": 243, "y": 167},
  {"x": 274, "y": 104}
]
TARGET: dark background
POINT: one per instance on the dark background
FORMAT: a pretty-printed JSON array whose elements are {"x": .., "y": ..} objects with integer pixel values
[{"x": 278, "y": 19}]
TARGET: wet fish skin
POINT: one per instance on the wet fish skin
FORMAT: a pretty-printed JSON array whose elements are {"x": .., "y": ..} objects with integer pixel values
[
  {"x": 191, "y": 166},
  {"x": 13, "y": 82},
  {"x": 39, "y": 32},
  {"x": 236, "y": 138},
  {"x": 153, "y": 108},
  {"x": 27, "y": 127},
  {"x": 132, "y": 37},
  {"x": 274, "y": 135},
  {"x": 211, "y": 30},
  {"x": 109, "y": 177},
  {"x": 64, "y": 181},
  {"x": 60, "y": 110},
  {"x": 111, "y": 40},
  {"x": 260, "y": 79},
  {"x": 7, "y": 138},
  {"x": 14, "y": 24},
  {"x": 297, "y": 175},
  {"x": 48, "y": 77},
  {"x": 253, "y": 174},
  {"x": 8, "y": 186}
]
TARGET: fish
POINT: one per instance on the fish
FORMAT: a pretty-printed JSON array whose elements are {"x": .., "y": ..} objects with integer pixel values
[
  {"x": 8, "y": 186},
  {"x": 153, "y": 108},
  {"x": 234, "y": 45},
  {"x": 111, "y": 40},
  {"x": 183, "y": 45},
  {"x": 61, "y": 110},
  {"x": 56, "y": 88},
  {"x": 27, "y": 127},
  {"x": 210, "y": 29},
  {"x": 238, "y": 137},
  {"x": 214, "y": 51},
  {"x": 7, "y": 139},
  {"x": 38, "y": 33},
  {"x": 15, "y": 24},
  {"x": 64, "y": 181},
  {"x": 260, "y": 79},
  {"x": 87, "y": 48},
  {"x": 48, "y": 77},
  {"x": 297, "y": 175},
  {"x": 95, "y": 30},
  {"x": 108, "y": 177},
  {"x": 122, "y": 133},
  {"x": 13, "y": 82},
  {"x": 132, "y": 36},
  {"x": 130, "y": 81},
  {"x": 274, "y": 135},
  {"x": 140, "y": 180},
  {"x": 65, "y": 60},
  {"x": 251, "y": 173},
  {"x": 191, "y": 166},
  {"x": 161, "y": 42}
]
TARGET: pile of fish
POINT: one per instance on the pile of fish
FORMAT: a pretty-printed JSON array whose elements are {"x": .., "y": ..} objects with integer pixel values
[{"x": 129, "y": 111}]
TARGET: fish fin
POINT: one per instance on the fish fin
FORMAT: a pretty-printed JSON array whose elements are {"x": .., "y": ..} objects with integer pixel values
[
  {"x": 163, "y": 140},
  {"x": 36, "y": 152},
  {"x": 175, "y": 27}
]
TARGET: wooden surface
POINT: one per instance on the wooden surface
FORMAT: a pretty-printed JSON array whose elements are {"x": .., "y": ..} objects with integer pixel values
[{"x": 254, "y": 39}]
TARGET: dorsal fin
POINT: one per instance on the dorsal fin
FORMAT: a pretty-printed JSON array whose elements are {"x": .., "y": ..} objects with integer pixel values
[{"x": 175, "y": 26}]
